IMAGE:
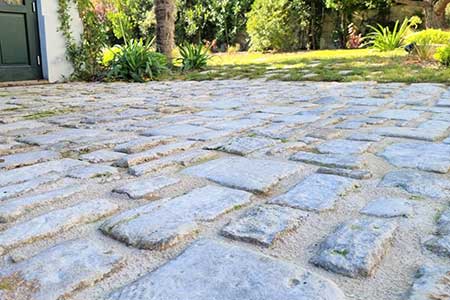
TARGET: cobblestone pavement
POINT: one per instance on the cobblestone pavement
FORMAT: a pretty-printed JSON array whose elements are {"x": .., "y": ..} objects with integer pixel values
[{"x": 225, "y": 190}]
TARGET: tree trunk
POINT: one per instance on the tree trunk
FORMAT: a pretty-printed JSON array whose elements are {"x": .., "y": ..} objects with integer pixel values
[
  {"x": 434, "y": 11},
  {"x": 165, "y": 12},
  {"x": 433, "y": 20}
]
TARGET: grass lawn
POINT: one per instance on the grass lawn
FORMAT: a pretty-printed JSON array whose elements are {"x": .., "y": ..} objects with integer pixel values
[{"x": 323, "y": 65}]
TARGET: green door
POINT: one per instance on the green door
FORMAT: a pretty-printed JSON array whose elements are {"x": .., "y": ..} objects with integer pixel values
[{"x": 19, "y": 41}]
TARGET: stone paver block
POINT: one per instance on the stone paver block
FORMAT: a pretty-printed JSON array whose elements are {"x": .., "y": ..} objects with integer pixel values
[
  {"x": 27, "y": 158},
  {"x": 57, "y": 272},
  {"x": 425, "y": 157},
  {"x": 244, "y": 145},
  {"x": 388, "y": 207},
  {"x": 15, "y": 190},
  {"x": 92, "y": 172},
  {"x": 355, "y": 174},
  {"x": 431, "y": 283},
  {"x": 356, "y": 247},
  {"x": 398, "y": 114},
  {"x": 101, "y": 156},
  {"x": 330, "y": 160},
  {"x": 440, "y": 245},
  {"x": 13, "y": 209},
  {"x": 181, "y": 130},
  {"x": 417, "y": 182},
  {"x": 55, "y": 221},
  {"x": 318, "y": 192},
  {"x": 343, "y": 147},
  {"x": 254, "y": 175},
  {"x": 264, "y": 224},
  {"x": 161, "y": 224},
  {"x": 145, "y": 188},
  {"x": 142, "y": 144},
  {"x": 225, "y": 272}
]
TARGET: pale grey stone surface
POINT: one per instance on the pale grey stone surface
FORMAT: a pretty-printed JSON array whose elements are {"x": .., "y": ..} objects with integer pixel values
[
  {"x": 368, "y": 137},
  {"x": 101, "y": 156},
  {"x": 162, "y": 224},
  {"x": 388, "y": 208},
  {"x": 330, "y": 160},
  {"x": 29, "y": 124},
  {"x": 431, "y": 283},
  {"x": 417, "y": 182},
  {"x": 27, "y": 158},
  {"x": 58, "y": 271},
  {"x": 440, "y": 245},
  {"x": 317, "y": 192},
  {"x": 355, "y": 174},
  {"x": 356, "y": 247},
  {"x": 422, "y": 156},
  {"x": 341, "y": 146},
  {"x": 142, "y": 143},
  {"x": 428, "y": 131},
  {"x": 157, "y": 152},
  {"x": 92, "y": 172},
  {"x": 64, "y": 135},
  {"x": 183, "y": 159},
  {"x": 215, "y": 270},
  {"x": 61, "y": 166},
  {"x": 443, "y": 223},
  {"x": 244, "y": 145},
  {"x": 55, "y": 221},
  {"x": 177, "y": 130},
  {"x": 14, "y": 208},
  {"x": 398, "y": 114},
  {"x": 145, "y": 188},
  {"x": 27, "y": 186},
  {"x": 264, "y": 224},
  {"x": 254, "y": 175}
]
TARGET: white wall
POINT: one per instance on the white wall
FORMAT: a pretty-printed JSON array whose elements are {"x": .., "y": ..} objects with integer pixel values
[{"x": 55, "y": 66}]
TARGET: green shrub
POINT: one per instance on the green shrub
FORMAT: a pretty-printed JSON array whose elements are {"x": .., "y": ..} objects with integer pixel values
[
  {"x": 383, "y": 39},
  {"x": 134, "y": 61},
  {"x": 193, "y": 57},
  {"x": 277, "y": 24},
  {"x": 425, "y": 50},
  {"x": 443, "y": 55},
  {"x": 433, "y": 36}
]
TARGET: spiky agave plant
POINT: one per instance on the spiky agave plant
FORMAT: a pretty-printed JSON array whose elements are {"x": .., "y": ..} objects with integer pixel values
[
  {"x": 383, "y": 39},
  {"x": 193, "y": 57}
]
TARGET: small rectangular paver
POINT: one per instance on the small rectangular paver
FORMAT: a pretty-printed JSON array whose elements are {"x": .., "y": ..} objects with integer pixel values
[
  {"x": 356, "y": 247},
  {"x": 55, "y": 221},
  {"x": 92, "y": 172},
  {"x": 161, "y": 224},
  {"x": 330, "y": 160},
  {"x": 101, "y": 156},
  {"x": 264, "y": 224},
  {"x": 142, "y": 144},
  {"x": 27, "y": 158},
  {"x": 215, "y": 270},
  {"x": 55, "y": 273},
  {"x": 146, "y": 188},
  {"x": 254, "y": 175},
  {"x": 14, "y": 208},
  {"x": 157, "y": 152},
  {"x": 18, "y": 189},
  {"x": 244, "y": 145},
  {"x": 317, "y": 192}
]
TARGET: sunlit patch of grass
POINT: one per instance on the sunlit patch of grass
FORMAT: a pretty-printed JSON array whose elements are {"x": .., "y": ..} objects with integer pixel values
[{"x": 364, "y": 64}]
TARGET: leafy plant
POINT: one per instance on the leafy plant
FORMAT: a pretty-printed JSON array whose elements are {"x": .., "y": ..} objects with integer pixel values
[
  {"x": 385, "y": 39},
  {"x": 193, "y": 57},
  {"x": 425, "y": 50},
  {"x": 354, "y": 39},
  {"x": 443, "y": 55},
  {"x": 135, "y": 61},
  {"x": 433, "y": 36}
]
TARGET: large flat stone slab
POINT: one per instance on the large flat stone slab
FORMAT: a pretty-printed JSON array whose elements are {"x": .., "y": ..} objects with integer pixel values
[
  {"x": 254, "y": 175},
  {"x": 162, "y": 224},
  {"x": 386, "y": 207},
  {"x": 18, "y": 189},
  {"x": 330, "y": 160},
  {"x": 356, "y": 247},
  {"x": 142, "y": 144},
  {"x": 318, "y": 192},
  {"x": 55, "y": 221},
  {"x": 64, "y": 135},
  {"x": 417, "y": 182},
  {"x": 431, "y": 283},
  {"x": 430, "y": 131},
  {"x": 27, "y": 158},
  {"x": 422, "y": 156},
  {"x": 57, "y": 272},
  {"x": 244, "y": 145},
  {"x": 215, "y": 270},
  {"x": 264, "y": 224},
  {"x": 341, "y": 146},
  {"x": 13, "y": 209},
  {"x": 154, "y": 153},
  {"x": 145, "y": 188},
  {"x": 61, "y": 166},
  {"x": 398, "y": 114}
]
